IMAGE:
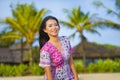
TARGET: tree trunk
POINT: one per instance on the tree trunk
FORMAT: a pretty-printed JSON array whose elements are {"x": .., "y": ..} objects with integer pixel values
[
  {"x": 30, "y": 57},
  {"x": 21, "y": 55},
  {"x": 84, "y": 40},
  {"x": 84, "y": 54}
]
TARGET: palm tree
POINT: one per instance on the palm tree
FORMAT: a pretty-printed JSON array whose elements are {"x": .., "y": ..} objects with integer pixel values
[
  {"x": 109, "y": 23},
  {"x": 80, "y": 21},
  {"x": 25, "y": 24}
]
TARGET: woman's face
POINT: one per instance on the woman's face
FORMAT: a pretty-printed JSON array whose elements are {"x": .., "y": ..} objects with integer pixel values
[{"x": 52, "y": 28}]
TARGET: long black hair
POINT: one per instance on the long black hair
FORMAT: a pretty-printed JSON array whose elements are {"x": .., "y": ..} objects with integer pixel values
[{"x": 43, "y": 37}]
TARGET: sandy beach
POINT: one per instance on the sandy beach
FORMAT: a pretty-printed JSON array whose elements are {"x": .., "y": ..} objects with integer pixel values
[{"x": 95, "y": 76}]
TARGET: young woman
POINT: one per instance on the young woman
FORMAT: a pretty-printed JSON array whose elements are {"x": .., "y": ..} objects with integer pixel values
[{"x": 55, "y": 52}]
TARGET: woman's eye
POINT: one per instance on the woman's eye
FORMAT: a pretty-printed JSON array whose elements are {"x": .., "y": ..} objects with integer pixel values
[
  {"x": 50, "y": 26},
  {"x": 55, "y": 24}
]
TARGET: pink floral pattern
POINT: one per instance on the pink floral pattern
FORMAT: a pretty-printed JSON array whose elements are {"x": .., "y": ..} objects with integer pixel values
[{"x": 50, "y": 56}]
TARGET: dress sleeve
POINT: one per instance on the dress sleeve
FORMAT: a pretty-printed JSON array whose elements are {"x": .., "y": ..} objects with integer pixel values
[{"x": 44, "y": 59}]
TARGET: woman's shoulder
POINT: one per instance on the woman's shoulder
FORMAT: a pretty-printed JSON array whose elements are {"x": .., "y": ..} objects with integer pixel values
[
  {"x": 63, "y": 37},
  {"x": 46, "y": 47}
]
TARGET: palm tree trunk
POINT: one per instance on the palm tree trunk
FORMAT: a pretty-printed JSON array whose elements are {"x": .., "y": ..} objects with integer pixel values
[
  {"x": 21, "y": 55},
  {"x": 30, "y": 52},
  {"x": 83, "y": 48},
  {"x": 84, "y": 54}
]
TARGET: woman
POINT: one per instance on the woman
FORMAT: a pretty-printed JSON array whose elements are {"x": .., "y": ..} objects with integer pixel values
[{"x": 55, "y": 52}]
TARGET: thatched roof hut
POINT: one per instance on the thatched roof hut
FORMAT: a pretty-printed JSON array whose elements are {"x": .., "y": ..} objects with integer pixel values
[
  {"x": 94, "y": 51},
  {"x": 13, "y": 54}
]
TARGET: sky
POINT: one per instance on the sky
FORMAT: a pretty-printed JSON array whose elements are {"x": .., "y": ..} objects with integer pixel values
[{"x": 108, "y": 36}]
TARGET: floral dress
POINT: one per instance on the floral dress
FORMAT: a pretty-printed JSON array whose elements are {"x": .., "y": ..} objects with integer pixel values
[{"x": 51, "y": 56}]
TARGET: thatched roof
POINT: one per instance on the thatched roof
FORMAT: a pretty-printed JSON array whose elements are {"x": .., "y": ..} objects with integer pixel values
[
  {"x": 8, "y": 56},
  {"x": 13, "y": 54},
  {"x": 95, "y": 51},
  {"x": 18, "y": 46}
]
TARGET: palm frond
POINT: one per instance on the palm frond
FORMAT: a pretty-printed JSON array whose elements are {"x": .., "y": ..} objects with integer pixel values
[
  {"x": 36, "y": 23},
  {"x": 73, "y": 35},
  {"x": 11, "y": 35},
  {"x": 15, "y": 25},
  {"x": 71, "y": 25},
  {"x": 98, "y": 3},
  {"x": 93, "y": 31},
  {"x": 111, "y": 24},
  {"x": 106, "y": 23},
  {"x": 65, "y": 11},
  {"x": 20, "y": 18}
]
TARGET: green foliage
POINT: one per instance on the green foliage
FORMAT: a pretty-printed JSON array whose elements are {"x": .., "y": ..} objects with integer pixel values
[
  {"x": 16, "y": 70},
  {"x": 36, "y": 70},
  {"x": 81, "y": 21},
  {"x": 117, "y": 64},
  {"x": 36, "y": 55},
  {"x": 20, "y": 70},
  {"x": 118, "y": 4},
  {"x": 109, "y": 46},
  {"x": 24, "y": 24},
  {"x": 5, "y": 42},
  {"x": 6, "y": 70},
  {"x": 79, "y": 65},
  {"x": 101, "y": 66},
  {"x": 104, "y": 66}
]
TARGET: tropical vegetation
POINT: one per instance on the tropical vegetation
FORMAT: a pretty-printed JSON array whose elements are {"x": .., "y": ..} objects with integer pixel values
[
  {"x": 108, "y": 65},
  {"x": 84, "y": 22},
  {"x": 108, "y": 23},
  {"x": 24, "y": 25}
]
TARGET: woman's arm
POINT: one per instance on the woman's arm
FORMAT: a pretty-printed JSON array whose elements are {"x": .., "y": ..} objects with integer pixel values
[
  {"x": 72, "y": 66},
  {"x": 48, "y": 72}
]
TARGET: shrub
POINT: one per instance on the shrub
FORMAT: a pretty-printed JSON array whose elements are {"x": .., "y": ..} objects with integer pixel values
[
  {"x": 20, "y": 69},
  {"x": 79, "y": 66},
  {"x": 15, "y": 70},
  {"x": 36, "y": 70},
  {"x": 117, "y": 65},
  {"x": 100, "y": 66},
  {"x": 105, "y": 66}
]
